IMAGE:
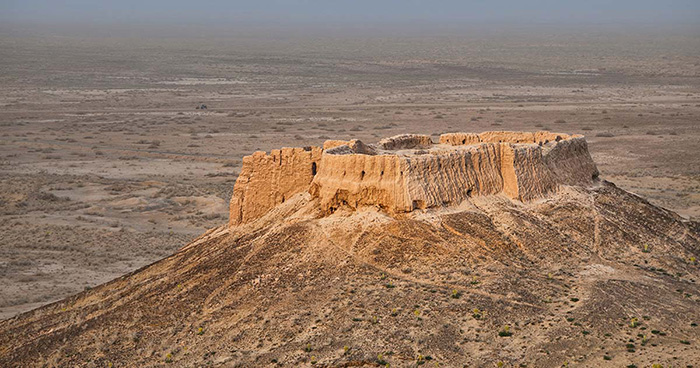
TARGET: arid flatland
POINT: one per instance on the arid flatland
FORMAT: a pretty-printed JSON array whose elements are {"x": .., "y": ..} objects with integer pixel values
[{"x": 106, "y": 165}]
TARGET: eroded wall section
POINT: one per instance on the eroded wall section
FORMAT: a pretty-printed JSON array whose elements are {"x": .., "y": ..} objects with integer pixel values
[
  {"x": 408, "y": 172},
  {"x": 268, "y": 180}
]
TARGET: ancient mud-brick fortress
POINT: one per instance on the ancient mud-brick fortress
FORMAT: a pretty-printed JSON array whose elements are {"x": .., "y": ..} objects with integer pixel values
[{"x": 409, "y": 172}]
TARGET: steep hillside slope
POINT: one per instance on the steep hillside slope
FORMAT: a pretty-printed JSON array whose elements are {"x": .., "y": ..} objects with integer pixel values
[{"x": 588, "y": 275}]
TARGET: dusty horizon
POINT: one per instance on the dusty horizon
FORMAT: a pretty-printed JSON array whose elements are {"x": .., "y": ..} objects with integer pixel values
[{"x": 362, "y": 11}]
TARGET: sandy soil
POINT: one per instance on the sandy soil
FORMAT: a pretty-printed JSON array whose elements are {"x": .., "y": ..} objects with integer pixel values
[{"x": 106, "y": 165}]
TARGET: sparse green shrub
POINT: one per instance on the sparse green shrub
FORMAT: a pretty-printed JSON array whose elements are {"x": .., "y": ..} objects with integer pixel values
[
  {"x": 505, "y": 332},
  {"x": 634, "y": 322}
]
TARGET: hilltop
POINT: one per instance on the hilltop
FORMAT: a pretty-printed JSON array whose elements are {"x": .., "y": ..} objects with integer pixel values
[{"x": 476, "y": 250}]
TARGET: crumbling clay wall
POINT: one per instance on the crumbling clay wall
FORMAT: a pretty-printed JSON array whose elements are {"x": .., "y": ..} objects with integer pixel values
[
  {"x": 404, "y": 183},
  {"x": 357, "y": 180},
  {"x": 533, "y": 164},
  {"x": 408, "y": 172},
  {"x": 540, "y": 138},
  {"x": 268, "y": 180},
  {"x": 522, "y": 165},
  {"x": 445, "y": 179},
  {"x": 570, "y": 162},
  {"x": 529, "y": 178},
  {"x": 405, "y": 141}
]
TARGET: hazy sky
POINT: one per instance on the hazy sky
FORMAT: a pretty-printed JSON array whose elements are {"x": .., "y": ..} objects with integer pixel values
[{"x": 369, "y": 11}]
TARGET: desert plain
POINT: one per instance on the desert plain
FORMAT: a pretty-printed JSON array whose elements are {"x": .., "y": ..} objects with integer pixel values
[{"x": 107, "y": 164}]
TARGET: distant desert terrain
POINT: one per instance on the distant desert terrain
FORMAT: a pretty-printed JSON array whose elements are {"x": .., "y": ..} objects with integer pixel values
[{"x": 106, "y": 164}]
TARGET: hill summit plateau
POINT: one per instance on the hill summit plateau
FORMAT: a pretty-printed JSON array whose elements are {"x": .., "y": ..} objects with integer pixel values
[{"x": 479, "y": 250}]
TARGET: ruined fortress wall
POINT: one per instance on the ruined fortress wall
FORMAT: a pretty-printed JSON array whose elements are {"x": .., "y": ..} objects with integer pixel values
[
  {"x": 401, "y": 184},
  {"x": 570, "y": 162},
  {"x": 405, "y": 141},
  {"x": 532, "y": 177},
  {"x": 357, "y": 180},
  {"x": 435, "y": 180},
  {"x": 459, "y": 139},
  {"x": 408, "y": 172},
  {"x": 533, "y": 164},
  {"x": 509, "y": 137},
  {"x": 507, "y": 170},
  {"x": 268, "y": 180},
  {"x": 541, "y": 137},
  {"x": 404, "y": 183}
]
